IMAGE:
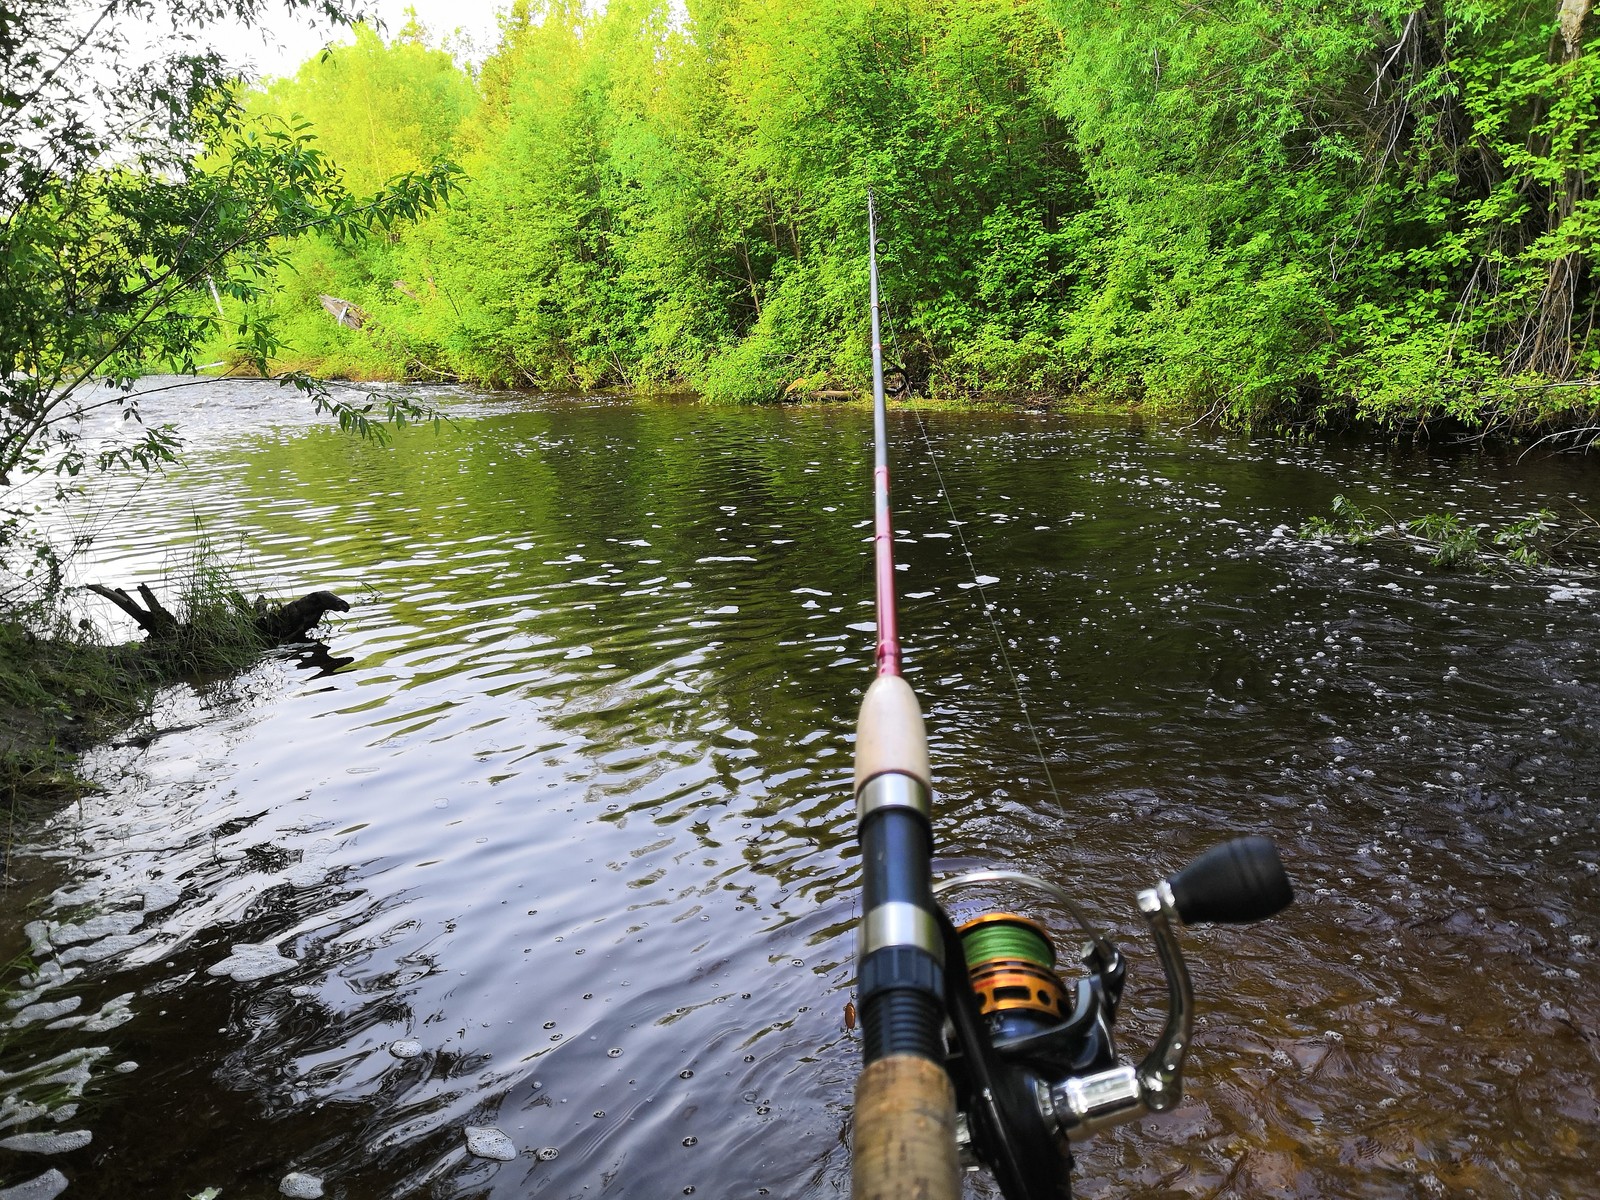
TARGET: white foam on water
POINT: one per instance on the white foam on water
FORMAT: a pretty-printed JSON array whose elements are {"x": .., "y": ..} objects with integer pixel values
[
  {"x": 47, "y": 1010},
  {"x": 106, "y": 947},
  {"x": 95, "y": 928},
  {"x": 112, "y": 1013},
  {"x": 250, "y": 961},
  {"x": 405, "y": 1048},
  {"x": 38, "y": 935},
  {"x": 46, "y": 1187},
  {"x": 157, "y": 896},
  {"x": 490, "y": 1143},
  {"x": 47, "y": 1143},
  {"x": 299, "y": 1186}
]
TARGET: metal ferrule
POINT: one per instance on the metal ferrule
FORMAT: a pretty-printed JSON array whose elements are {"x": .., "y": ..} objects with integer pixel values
[
  {"x": 893, "y": 790},
  {"x": 899, "y": 923},
  {"x": 900, "y": 979}
]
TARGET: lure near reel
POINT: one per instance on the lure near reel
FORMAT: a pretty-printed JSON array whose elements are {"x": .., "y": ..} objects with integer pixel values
[{"x": 1034, "y": 1061}]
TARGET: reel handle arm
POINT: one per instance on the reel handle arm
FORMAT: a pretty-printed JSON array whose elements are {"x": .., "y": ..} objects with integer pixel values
[
  {"x": 1082, "y": 1105},
  {"x": 1161, "y": 1072}
]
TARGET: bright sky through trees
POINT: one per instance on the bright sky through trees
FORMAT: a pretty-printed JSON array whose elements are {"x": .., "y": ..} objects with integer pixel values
[{"x": 285, "y": 40}]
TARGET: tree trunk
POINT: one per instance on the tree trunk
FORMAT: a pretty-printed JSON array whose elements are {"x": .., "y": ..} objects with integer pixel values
[{"x": 1549, "y": 339}]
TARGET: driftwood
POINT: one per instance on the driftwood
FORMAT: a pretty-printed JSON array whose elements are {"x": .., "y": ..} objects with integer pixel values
[
  {"x": 344, "y": 312},
  {"x": 274, "y": 624}
]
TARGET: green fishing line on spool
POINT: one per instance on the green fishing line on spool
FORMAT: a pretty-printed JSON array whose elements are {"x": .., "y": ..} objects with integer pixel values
[{"x": 1002, "y": 939}]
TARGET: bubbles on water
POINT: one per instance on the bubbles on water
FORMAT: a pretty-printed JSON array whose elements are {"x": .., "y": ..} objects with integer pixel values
[
  {"x": 691, "y": 1141},
  {"x": 546, "y": 1153},
  {"x": 405, "y": 1048},
  {"x": 686, "y": 1074}
]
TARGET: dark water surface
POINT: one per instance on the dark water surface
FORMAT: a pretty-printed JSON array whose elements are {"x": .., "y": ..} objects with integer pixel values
[{"x": 567, "y": 849}]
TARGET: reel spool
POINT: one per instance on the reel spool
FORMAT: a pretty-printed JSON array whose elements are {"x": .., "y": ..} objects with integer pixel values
[{"x": 1011, "y": 966}]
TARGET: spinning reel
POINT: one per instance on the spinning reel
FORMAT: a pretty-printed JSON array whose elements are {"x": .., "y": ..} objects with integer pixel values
[{"x": 1033, "y": 1061}]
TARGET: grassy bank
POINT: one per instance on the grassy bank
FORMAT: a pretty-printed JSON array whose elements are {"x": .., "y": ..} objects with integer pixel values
[{"x": 59, "y": 692}]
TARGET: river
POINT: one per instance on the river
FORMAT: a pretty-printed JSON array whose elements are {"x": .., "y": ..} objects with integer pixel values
[{"x": 565, "y": 848}]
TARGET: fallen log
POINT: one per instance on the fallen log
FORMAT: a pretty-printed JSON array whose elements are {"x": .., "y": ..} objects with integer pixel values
[
  {"x": 273, "y": 624},
  {"x": 342, "y": 311}
]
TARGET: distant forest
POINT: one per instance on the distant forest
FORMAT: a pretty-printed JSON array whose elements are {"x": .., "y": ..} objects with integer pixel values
[{"x": 1276, "y": 212}]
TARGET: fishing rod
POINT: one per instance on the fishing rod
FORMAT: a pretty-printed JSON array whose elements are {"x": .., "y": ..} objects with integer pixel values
[{"x": 977, "y": 1053}]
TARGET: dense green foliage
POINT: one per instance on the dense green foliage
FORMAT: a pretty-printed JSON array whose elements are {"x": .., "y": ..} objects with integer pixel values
[
  {"x": 1281, "y": 211},
  {"x": 1320, "y": 206}
]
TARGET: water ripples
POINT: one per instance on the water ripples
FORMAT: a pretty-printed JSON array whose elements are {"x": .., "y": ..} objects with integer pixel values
[{"x": 565, "y": 851}]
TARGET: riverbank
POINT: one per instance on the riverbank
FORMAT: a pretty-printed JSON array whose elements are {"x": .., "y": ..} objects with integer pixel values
[
  {"x": 58, "y": 696},
  {"x": 1487, "y": 409},
  {"x": 62, "y": 691}
]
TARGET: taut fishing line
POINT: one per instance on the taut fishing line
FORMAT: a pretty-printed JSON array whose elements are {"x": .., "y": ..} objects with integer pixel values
[{"x": 977, "y": 580}]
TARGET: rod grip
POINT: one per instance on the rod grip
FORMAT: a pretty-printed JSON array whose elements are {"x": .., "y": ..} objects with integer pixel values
[{"x": 904, "y": 1140}]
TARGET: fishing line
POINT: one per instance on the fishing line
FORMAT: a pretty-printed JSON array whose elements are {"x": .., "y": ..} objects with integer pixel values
[{"x": 977, "y": 580}]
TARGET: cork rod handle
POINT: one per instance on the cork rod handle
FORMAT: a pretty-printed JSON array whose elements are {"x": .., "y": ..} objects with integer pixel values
[{"x": 904, "y": 1143}]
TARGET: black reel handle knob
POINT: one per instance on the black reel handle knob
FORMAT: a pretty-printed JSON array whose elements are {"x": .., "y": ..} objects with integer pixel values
[{"x": 1234, "y": 883}]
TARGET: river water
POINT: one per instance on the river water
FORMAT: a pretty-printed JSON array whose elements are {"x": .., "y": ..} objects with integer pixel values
[{"x": 565, "y": 849}]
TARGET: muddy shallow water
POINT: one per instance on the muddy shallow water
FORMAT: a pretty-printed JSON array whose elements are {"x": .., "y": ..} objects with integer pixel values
[{"x": 565, "y": 849}]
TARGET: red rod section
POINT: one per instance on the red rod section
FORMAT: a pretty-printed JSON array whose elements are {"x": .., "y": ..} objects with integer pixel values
[
  {"x": 883, "y": 520},
  {"x": 883, "y": 548}
]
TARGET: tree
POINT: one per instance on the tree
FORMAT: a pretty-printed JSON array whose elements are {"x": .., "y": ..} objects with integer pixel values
[{"x": 134, "y": 195}]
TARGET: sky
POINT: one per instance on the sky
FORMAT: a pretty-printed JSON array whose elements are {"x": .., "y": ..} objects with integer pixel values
[{"x": 285, "y": 41}]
